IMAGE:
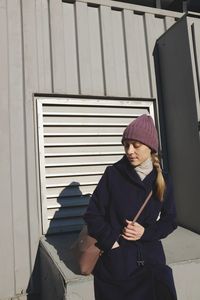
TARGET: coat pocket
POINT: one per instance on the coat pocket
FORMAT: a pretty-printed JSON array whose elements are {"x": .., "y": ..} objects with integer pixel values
[{"x": 121, "y": 262}]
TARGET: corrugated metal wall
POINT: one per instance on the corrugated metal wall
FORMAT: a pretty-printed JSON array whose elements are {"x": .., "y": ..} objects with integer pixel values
[
  {"x": 110, "y": 49},
  {"x": 57, "y": 47}
]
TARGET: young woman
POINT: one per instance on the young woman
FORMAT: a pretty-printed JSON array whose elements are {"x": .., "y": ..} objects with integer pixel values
[{"x": 133, "y": 265}]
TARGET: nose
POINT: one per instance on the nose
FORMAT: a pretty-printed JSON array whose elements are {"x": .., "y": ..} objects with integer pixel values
[{"x": 130, "y": 149}]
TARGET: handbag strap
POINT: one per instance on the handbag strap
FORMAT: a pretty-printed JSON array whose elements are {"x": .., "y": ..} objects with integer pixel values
[{"x": 142, "y": 207}]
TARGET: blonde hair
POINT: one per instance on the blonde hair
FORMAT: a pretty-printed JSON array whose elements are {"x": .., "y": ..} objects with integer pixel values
[{"x": 160, "y": 181}]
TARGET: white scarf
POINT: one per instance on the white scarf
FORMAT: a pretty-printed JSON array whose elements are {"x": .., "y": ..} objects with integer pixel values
[{"x": 144, "y": 169}]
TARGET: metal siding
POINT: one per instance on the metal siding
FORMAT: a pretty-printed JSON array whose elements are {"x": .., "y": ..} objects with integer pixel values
[
  {"x": 137, "y": 62},
  {"x": 37, "y": 58},
  {"x": 73, "y": 169},
  {"x": 30, "y": 84},
  {"x": 71, "y": 62},
  {"x": 154, "y": 28},
  {"x": 7, "y": 287},
  {"x": 169, "y": 21},
  {"x": 107, "y": 48},
  {"x": 83, "y": 41},
  {"x": 19, "y": 189},
  {"x": 43, "y": 46},
  {"x": 120, "y": 67},
  {"x": 104, "y": 56},
  {"x": 95, "y": 51},
  {"x": 57, "y": 46}
]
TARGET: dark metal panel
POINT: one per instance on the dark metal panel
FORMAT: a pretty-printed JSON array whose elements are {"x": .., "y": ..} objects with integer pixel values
[{"x": 179, "y": 113}]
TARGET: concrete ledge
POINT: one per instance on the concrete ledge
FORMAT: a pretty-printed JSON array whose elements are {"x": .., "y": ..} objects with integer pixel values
[
  {"x": 61, "y": 278},
  {"x": 182, "y": 250}
]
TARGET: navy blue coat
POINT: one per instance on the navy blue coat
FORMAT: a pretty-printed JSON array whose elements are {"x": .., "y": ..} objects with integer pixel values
[{"x": 136, "y": 270}]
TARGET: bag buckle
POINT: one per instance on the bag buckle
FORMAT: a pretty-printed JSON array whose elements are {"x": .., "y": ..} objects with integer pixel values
[{"x": 140, "y": 263}]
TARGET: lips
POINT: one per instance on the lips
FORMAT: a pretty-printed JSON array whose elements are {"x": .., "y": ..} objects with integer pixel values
[{"x": 132, "y": 158}]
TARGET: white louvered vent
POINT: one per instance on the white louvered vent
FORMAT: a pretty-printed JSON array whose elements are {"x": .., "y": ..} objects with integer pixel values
[{"x": 78, "y": 139}]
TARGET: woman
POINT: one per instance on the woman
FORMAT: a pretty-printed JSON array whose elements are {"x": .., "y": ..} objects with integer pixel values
[{"x": 133, "y": 266}]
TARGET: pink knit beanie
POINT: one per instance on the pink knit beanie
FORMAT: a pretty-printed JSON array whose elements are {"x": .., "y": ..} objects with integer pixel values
[{"x": 142, "y": 130}]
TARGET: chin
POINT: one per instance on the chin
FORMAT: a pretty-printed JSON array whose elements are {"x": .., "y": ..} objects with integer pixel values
[{"x": 134, "y": 163}]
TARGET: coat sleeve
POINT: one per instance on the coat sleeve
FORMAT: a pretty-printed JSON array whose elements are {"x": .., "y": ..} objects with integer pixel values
[
  {"x": 167, "y": 221},
  {"x": 95, "y": 216}
]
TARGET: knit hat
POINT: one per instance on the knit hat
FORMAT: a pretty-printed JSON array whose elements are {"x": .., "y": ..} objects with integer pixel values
[{"x": 142, "y": 130}]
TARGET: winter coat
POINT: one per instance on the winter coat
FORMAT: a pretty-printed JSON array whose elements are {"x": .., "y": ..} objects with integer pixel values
[{"x": 136, "y": 270}]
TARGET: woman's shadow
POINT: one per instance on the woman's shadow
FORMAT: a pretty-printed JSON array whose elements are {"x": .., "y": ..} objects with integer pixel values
[{"x": 66, "y": 223}]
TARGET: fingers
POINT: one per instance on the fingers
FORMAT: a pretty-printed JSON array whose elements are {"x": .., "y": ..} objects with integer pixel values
[
  {"x": 130, "y": 238},
  {"x": 133, "y": 231}
]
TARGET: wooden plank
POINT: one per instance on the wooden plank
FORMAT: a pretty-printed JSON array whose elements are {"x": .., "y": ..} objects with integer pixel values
[
  {"x": 137, "y": 62},
  {"x": 7, "y": 274},
  {"x": 57, "y": 46},
  {"x": 70, "y": 62},
  {"x": 121, "y": 88},
  {"x": 84, "y": 58},
  {"x": 19, "y": 192},
  {"x": 95, "y": 51},
  {"x": 43, "y": 47},
  {"x": 107, "y": 46}
]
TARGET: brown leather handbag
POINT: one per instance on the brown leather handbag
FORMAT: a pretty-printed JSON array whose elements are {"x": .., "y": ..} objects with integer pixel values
[{"x": 86, "y": 251}]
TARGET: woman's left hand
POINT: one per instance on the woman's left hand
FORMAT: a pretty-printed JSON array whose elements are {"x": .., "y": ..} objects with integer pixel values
[{"x": 133, "y": 232}]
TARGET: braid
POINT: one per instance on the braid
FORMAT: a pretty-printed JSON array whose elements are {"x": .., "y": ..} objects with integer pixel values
[{"x": 160, "y": 182}]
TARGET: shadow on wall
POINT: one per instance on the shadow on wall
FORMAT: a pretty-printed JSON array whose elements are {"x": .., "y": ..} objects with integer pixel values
[{"x": 62, "y": 240}]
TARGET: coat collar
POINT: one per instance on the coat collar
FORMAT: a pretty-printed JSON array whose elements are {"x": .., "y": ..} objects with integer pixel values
[{"x": 128, "y": 171}]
